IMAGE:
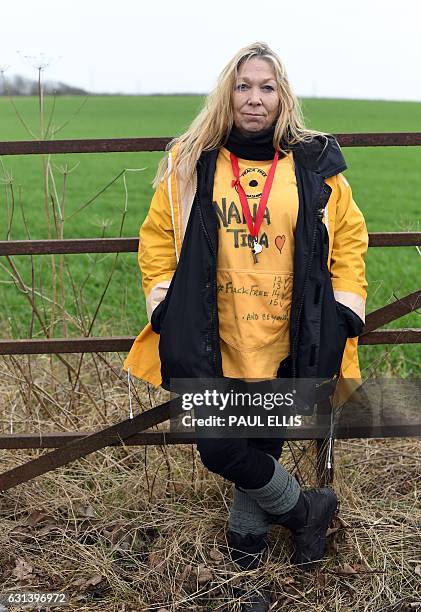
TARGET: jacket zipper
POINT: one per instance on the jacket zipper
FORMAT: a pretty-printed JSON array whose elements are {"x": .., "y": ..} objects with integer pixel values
[
  {"x": 319, "y": 214},
  {"x": 213, "y": 313}
]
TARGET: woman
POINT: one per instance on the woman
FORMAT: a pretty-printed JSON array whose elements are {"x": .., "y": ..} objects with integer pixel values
[{"x": 252, "y": 260}]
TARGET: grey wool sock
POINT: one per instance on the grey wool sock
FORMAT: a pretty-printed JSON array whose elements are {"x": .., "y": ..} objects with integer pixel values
[
  {"x": 246, "y": 516},
  {"x": 280, "y": 494}
]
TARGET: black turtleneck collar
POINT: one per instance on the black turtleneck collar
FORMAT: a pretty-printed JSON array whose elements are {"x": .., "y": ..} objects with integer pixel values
[
  {"x": 256, "y": 147},
  {"x": 322, "y": 154}
]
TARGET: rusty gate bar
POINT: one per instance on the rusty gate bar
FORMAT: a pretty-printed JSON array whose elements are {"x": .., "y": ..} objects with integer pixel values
[
  {"x": 121, "y": 344},
  {"x": 391, "y": 239},
  {"x": 130, "y": 245},
  {"x": 58, "y": 439},
  {"x": 374, "y": 320},
  {"x": 91, "y": 145},
  {"x": 89, "y": 443},
  {"x": 380, "y": 139},
  {"x": 125, "y": 145},
  {"x": 78, "y": 245},
  {"x": 391, "y": 336},
  {"x": 392, "y": 311},
  {"x": 66, "y": 345}
]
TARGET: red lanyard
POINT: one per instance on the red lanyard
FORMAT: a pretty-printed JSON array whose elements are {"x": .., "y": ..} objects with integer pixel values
[{"x": 253, "y": 227}]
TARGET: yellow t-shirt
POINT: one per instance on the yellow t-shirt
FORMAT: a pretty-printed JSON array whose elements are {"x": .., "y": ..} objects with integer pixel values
[{"x": 254, "y": 299}]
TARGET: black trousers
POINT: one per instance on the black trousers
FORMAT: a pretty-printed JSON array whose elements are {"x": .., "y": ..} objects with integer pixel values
[{"x": 244, "y": 461}]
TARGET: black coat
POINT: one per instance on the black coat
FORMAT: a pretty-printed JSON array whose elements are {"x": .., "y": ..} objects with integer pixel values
[{"x": 187, "y": 319}]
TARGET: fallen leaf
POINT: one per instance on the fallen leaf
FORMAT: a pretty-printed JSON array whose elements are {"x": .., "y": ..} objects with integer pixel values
[
  {"x": 46, "y": 530},
  {"x": 418, "y": 570},
  {"x": 341, "y": 522},
  {"x": 78, "y": 582},
  {"x": 23, "y": 570},
  {"x": 78, "y": 597},
  {"x": 118, "y": 533},
  {"x": 82, "y": 584},
  {"x": 85, "y": 511},
  {"x": 68, "y": 564},
  {"x": 21, "y": 533},
  {"x": 360, "y": 567},
  {"x": 179, "y": 487},
  {"x": 123, "y": 539},
  {"x": 292, "y": 590},
  {"x": 156, "y": 561},
  {"x": 94, "y": 580},
  {"x": 39, "y": 516},
  {"x": 6, "y": 574},
  {"x": 204, "y": 574},
  {"x": 321, "y": 580},
  {"x": 216, "y": 555},
  {"x": 347, "y": 569},
  {"x": 185, "y": 573},
  {"x": 332, "y": 530}
]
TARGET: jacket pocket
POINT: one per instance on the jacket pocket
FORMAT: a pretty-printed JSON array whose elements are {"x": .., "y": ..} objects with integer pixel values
[
  {"x": 342, "y": 327},
  {"x": 354, "y": 325},
  {"x": 157, "y": 315}
]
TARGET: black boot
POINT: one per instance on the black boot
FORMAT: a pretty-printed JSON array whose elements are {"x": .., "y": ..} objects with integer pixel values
[
  {"x": 253, "y": 600},
  {"x": 308, "y": 522},
  {"x": 248, "y": 552}
]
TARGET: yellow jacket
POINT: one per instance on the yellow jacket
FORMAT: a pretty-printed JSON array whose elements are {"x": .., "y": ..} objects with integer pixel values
[{"x": 161, "y": 238}]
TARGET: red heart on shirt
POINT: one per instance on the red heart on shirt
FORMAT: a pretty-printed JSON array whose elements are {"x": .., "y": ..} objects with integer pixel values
[{"x": 279, "y": 242}]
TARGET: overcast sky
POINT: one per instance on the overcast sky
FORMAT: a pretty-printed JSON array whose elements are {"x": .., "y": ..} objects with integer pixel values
[{"x": 346, "y": 49}]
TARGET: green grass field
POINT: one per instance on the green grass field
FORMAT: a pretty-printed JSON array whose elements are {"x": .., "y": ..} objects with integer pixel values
[{"x": 386, "y": 185}]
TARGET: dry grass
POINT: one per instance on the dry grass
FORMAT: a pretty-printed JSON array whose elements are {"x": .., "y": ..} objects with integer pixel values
[{"x": 142, "y": 529}]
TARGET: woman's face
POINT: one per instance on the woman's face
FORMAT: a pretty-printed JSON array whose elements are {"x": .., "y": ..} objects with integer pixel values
[{"x": 256, "y": 98}]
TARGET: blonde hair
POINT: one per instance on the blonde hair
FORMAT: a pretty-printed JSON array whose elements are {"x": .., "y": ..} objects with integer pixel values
[{"x": 211, "y": 127}]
